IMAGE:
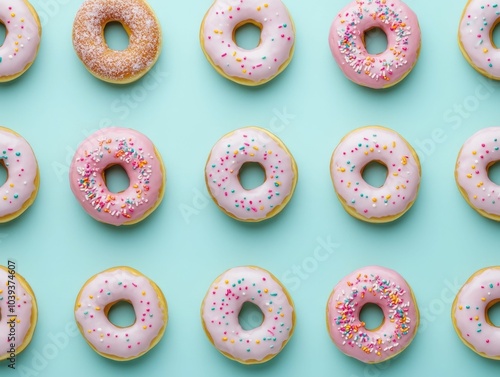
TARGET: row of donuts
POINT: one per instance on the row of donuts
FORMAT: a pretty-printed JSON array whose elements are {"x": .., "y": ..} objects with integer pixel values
[
  {"x": 224, "y": 301},
  {"x": 247, "y": 67},
  {"x": 141, "y": 161}
]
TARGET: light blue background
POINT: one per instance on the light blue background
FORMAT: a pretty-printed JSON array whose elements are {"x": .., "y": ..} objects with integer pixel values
[{"x": 184, "y": 106}]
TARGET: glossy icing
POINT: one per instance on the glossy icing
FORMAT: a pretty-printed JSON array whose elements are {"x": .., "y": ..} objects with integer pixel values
[
  {"x": 105, "y": 289},
  {"x": 144, "y": 39},
  {"x": 23, "y": 33},
  {"x": 477, "y": 154},
  {"x": 24, "y": 310},
  {"x": 384, "y": 288},
  {"x": 21, "y": 186},
  {"x": 399, "y": 23},
  {"x": 386, "y": 146},
  {"x": 470, "y": 312},
  {"x": 222, "y": 305},
  {"x": 136, "y": 154},
  {"x": 250, "y": 144},
  {"x": 475, "y": 36},
  {"x": 260, "y": 64}
]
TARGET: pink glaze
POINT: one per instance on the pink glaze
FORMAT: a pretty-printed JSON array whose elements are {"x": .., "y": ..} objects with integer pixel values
[
  {"x": 359, "y": 148},
  {"x": 222, "y": 305},
  {"x": 470, "y": 312},
  {"x": 109, "y": 287},
  {"x": 260, "y": 64},
  {"x": 22, "y": 172},
  {"x": 384, "y": 288},
  {"x": 22, "y": 313},
  {"x": 136, "y": 154},
  {"x": 399, "y": 23},
  {"x": 478, "y": 21},
  {"x": 480, "y": 151},
  {"x": 250, "y": 144},
  {"x": 22, "y": 40}
]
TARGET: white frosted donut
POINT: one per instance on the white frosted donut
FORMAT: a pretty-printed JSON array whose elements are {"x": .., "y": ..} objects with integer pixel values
[
  {"x": 118, "y": 67},
  {"x": 248, "y": 67},
  {"x": 104, "y": 290},
  {"x": 475, "y": 37},
  {"x": 361, "y": 200},
  {"x": 18, "y": 313},
  {"x": 223, "y": 302},
  {"x": 22, "y": 40},
  {"x": 250, "y": 145}
]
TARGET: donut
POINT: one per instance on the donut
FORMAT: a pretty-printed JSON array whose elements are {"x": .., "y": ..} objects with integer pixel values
[
  {"x": 19, "y": 313},
  {"x": 248, "y": 67},
  {"x": 250, "y": 145},
  {"x": 385, "y": 146},
  {"x": 117, "y": 67},
  {"x": 477, "y": 155},
  {"x": 22, "y": 39},
  {"x": 223, "y": 303},
  {"x": 97, "y": 297},
  {"x": 138, "y": 156},
  {"x": 20, "y": 189},
  {"x": 347, "y": 42},
  {"x": 475, "y": 37},
  {"x": 391, "y": 293}
]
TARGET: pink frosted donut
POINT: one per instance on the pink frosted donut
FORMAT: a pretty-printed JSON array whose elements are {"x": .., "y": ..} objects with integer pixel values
[
  {"x": 248, "y": 67},
  {"x": 470, "y": 312},
  {"x": 250, "y": 145},
  {"x": 98, "y": 296},
  {"x": 347, "y": 33},
  {"x": 20, "y": 48},
  {"x": 137, "y": 155},
  {"x": 223, "y": 303},
  {"x": 478, "y": 21},
  {"x": 365, "y": 202},
  {"x": 478, "y": 153},
  {"x": 389, "y": 291},
  {"x": 19, "y": 313}
]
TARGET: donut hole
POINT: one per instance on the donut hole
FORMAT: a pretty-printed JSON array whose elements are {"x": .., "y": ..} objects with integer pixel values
[
  {"x": 121, "y": 313},
  {"x": 3, "y": 33},
  {"x": 375, "y": 173},
  {"x": 375, "y": 41},
  {"x": 494, "y": 172},
  {"x": 493, "y": 313},
  {"x": 116, "y": 36},
  {"x": 495, "y": 34},
  {"x": 4, "y": 175},
  {"x": 247, "y": 34},
  {"x": 371, "y": 315},
  {"x": 251, "y": 175},
  {"x": 116, "y": 179},
  {"x": 250, "y": 316}
]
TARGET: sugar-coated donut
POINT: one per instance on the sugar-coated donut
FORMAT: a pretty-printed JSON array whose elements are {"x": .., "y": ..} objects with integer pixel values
[
  {"x": 222, "y": 305},
  {"x": 23, "y": 179},
  {"x": 250, "y": 145},
  {"x": 138, "y": 156},
  {"x": 388, "y": 290},
  {"x": 97, "y": 297},
  {"x": 22, "y": 40},
  {"x": 385, "y": 146},
  {"x": 475, "y": 36},
  {"x": 248, "y": 67},
  {"x": 145, "y": 40},
  {"x": 347, "y": 42},
  {"x": 19, "y": 313},
  {"x": 477, "y": 155},
  {"x": 470, "y": 312}
]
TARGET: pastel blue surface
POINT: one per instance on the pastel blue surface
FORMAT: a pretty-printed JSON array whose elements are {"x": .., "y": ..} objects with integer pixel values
[{"x": 184, "y": 106}]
